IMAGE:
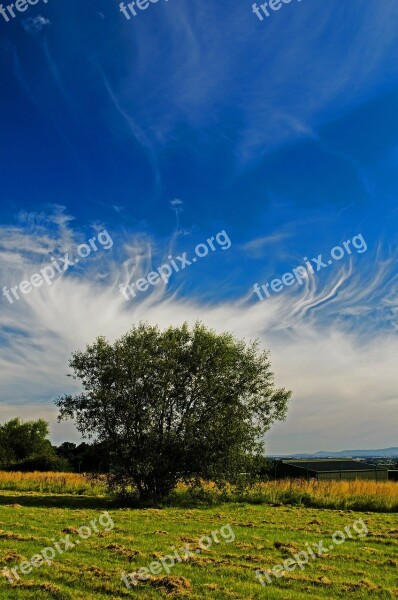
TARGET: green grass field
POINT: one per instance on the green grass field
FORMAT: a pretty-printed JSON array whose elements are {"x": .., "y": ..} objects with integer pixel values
[{"x": 264, "y": 536}]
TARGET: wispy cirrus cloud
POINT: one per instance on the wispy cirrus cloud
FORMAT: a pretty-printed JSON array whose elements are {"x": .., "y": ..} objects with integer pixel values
[
  {"x": 257, "y": 246},
  {"x": 35, "y": 24},
  {"x": 292, "y": 75},
  {"x": 323, "y": 336}
]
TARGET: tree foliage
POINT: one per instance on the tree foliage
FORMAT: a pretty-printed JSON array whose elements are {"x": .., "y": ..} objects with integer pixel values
[
  {"x": 85, "y": 458},
  {"x": 25, "y": 442},
  {"x": 174, "y": 404}
]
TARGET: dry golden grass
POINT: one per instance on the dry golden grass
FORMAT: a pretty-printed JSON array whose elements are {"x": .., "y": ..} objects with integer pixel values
[
  {"x": 337, "y": 489},
  {"x": 55, "y": 483},
  {"x": 355, "y": 495}
]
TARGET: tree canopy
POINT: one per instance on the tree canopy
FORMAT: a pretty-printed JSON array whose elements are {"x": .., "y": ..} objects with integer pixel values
[
  {"x": 174, "y": 404},
  {"x": 25, "y": 442}
]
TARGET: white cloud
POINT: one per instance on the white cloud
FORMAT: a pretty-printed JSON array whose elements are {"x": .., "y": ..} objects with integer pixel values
[
  {"x": 342, "y": 373},
  {"x": 35, "y": 24},
  {"x": 257, "y": 246},
  {"x": 284, "y": 77}
]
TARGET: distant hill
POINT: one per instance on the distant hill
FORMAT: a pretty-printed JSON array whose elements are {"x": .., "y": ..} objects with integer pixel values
[{"x": 381, "y": 453}]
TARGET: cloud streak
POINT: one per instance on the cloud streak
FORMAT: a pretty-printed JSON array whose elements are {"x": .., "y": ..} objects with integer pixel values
[{"x": 325, "y": 343}]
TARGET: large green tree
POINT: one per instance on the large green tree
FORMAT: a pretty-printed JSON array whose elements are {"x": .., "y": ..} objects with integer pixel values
[{"x": 172, "y": 404}]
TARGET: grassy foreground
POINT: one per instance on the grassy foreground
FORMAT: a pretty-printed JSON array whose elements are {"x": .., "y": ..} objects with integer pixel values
[{"x": 264, "y": 536}]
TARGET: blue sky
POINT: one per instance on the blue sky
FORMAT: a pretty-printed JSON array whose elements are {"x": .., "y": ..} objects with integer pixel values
[{"x": 283, "y": 133}]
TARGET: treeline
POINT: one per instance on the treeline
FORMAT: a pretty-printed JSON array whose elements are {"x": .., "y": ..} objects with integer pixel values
[{"x": 24, "y": 446}]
